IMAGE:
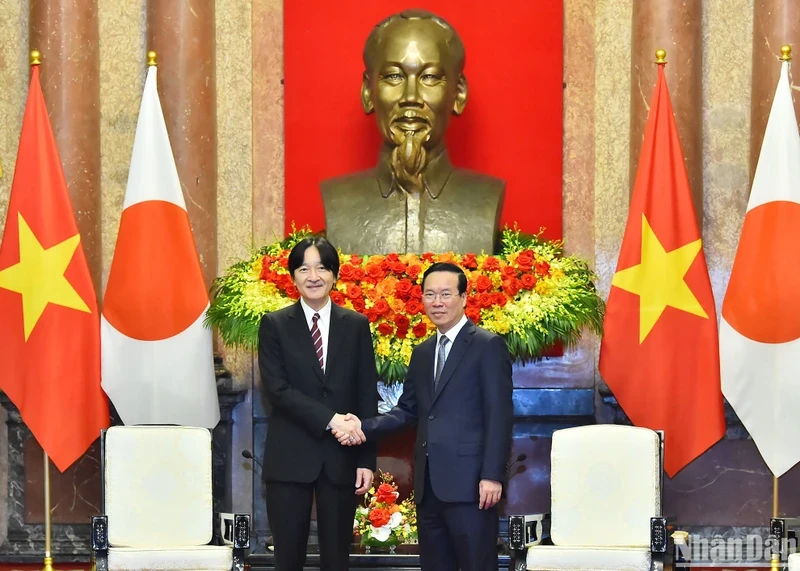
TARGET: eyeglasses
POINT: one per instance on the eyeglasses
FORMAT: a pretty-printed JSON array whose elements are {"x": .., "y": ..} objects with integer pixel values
[{"x": 444, "y": 296}]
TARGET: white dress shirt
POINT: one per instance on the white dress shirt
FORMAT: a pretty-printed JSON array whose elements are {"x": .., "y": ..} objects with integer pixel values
[
  {"x": 451, "y": 335},
  {"x": 323, "y": 324}
]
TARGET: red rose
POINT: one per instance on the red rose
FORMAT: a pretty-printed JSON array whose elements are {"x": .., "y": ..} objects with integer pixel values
[
  {"x": 402, "y": 332},
  {"x": 372, "y": 315},
  {"x": 356, "y": 260},
  {"x": 386, "y": 494},
  {"x": 491, "y": 264},
  {"x": 416, "y": 292},
  {"x": 393, "y": 257},
  {"x": 469, "y": 261},
  {"x": 413, "y": 307},
  {"x": 337, "y": 297},
  {"x": 508, "y": 272},
  {"x": 512, "y": 286},
  {"x": 413, "y": 271},
  {"x": 486, "y": 300},
  {"x": 474, "y": 314},
  {"x": 374, "y": 271},
  {"x": 346, "y": 273},
  {"x": 292, "y": 292},
  {"x": 358, "y": 305},
  {"x": 386, "y": 265},
  {"x": 483, "y": 284},
  {"x": 381, "y": 306},
  {"x": 500, "y": 299},
  {"x": 399, "y": 268},
  {"x": 354, "y": 292},
  {"x": 401, "y": 321},
  {"x": 379, "y": 517},
  {"x": 403, "y": 289},
  {"x": 427, "y": 257},
  {"x": 542, "y": 268},
  {"x": 525, "y": 260},
  {"x": 358, "y": 274},
  {"x": 528, "y": 281},
  {"x": 385, "y": 329},
  {"x": 473, "y": 301},
  {"x": 420, "y": 329}
]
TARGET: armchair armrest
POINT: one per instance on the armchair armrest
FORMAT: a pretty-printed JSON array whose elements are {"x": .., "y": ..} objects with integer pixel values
[
  {"x": 234, "y": 530},
  {"x": 100, "y": 542},
  {"x": 524, "y": 531},
  {"x": 783, "y": 532}
]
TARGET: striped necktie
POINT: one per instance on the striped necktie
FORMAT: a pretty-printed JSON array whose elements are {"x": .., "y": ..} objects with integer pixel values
[{"x": 316, "y": 338}]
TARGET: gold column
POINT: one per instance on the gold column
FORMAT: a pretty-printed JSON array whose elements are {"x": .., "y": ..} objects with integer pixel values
[
  {"x": 675, "y": 26},
  {"x": 66, "y": 33},
  {"x": 183, "y": 34},
  {"x": 775, "y": 23}
]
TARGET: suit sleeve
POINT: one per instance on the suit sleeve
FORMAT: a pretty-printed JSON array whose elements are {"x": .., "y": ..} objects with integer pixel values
[
  {"x": 306, "y": 411},
  {"x": 367, "y": 392},
  {"x": 401, "y": 416},
  {"x": 498, "y": 410}
]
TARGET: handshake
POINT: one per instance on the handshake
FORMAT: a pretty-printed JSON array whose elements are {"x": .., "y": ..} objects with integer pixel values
[{"x": 346, "y": 428}]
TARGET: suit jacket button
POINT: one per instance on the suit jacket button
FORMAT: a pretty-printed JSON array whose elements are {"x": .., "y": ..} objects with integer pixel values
[
  {"x": 431, "y": 417},
  {"x": 424, "y": 444},
  {"x": 325, "y": 394}
]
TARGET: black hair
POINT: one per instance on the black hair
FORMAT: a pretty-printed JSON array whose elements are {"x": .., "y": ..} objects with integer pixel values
[
  {"x": 328, "y": 256},
  {"x": 448, "y": 267}
]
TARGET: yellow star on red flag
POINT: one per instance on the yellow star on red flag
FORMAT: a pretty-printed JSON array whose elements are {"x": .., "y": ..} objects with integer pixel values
[
  {"x": 658, "y": 279},
  {"x": 39, "y": 276}
]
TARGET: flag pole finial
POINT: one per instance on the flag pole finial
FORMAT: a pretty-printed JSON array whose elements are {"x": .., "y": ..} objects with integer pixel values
[
  {"x": 151, "y": 59},
  {"x": 661, "y": 57},
  {"x": 786, "y": 53},
  {"x": 36, "y": 58}
]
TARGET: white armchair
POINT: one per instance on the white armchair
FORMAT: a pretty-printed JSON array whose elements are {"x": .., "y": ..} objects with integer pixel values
[
  {"x": 605, "y": 504},
  {"x": 158, "y": 505}
]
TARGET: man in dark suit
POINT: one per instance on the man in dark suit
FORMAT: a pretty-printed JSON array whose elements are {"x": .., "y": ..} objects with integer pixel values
[
  {"x": 317, "y": 363},
  {"x": 458, "y": 392}
]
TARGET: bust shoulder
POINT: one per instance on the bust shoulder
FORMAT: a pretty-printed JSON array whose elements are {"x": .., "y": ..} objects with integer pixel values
[{"x": 361, "y": 182}]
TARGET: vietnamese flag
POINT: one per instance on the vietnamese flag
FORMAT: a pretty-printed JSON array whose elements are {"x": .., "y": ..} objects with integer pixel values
[
  {"x": 659, "y": 353},
  {"x": 49, "y": 323}
]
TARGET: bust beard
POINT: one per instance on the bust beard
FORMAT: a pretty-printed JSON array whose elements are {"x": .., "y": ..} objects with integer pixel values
[{"x": 409, "y": 160}]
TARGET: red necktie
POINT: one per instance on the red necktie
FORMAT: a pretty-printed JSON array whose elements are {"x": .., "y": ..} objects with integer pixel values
[{"x": 316, "y": 338}]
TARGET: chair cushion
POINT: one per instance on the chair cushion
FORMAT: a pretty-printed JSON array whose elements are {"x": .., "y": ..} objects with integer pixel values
[
  {"x": 158, "y": 486},
  {"x": 191, "y": 558},
  {"x": 553, "y": 557},
  {"x": 605, "y": 485},
  {"x": 794, "y": 562}
]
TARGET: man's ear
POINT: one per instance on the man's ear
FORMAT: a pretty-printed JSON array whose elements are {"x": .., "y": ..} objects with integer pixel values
[
  {"x": 461, "y": 95},
  {"x": 366, "y": 95}
]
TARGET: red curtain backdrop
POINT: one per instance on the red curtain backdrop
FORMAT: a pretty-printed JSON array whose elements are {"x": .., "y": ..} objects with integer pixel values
[{"x": 511, "y": 128}]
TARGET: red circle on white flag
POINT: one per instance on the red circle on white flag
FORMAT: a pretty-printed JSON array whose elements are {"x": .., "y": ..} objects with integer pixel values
[
  {"x": 155, "y": 289},
  {"x": 763, "y": 297}
]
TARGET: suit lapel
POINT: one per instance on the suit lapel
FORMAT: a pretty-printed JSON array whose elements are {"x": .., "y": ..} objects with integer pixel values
[
  {"x": 457, "y": 352},
  {"x": 302, "y": 335},
  {"x": 336, "y": 336}
]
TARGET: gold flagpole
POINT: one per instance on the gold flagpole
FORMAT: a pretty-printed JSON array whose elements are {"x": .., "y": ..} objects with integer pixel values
[{"x": 48, "y": 559}]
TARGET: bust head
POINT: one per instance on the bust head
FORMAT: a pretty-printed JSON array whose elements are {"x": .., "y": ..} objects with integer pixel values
[{"x": 413, "y": 81}]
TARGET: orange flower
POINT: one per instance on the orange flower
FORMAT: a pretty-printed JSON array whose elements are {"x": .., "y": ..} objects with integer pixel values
[
  {"x": 387, "y": 286},
  {"x": 386, "y": 494},
  {"x": 491, "y": 264},
  {"x": 379, "y": 517},
  {"x": 398, "y": 305},
  {"x": 483, "y": 284}
]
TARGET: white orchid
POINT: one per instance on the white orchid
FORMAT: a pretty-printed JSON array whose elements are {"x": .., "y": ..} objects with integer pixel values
[
  {"x": 381, "y": 533},
  {"x": 395, "y": 520}
]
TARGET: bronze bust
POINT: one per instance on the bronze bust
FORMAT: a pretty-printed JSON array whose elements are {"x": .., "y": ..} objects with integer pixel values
[{"x": 414, "y": 200}]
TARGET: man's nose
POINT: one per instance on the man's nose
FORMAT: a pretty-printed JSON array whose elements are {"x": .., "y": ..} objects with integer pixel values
[{"x": 410, "y": 93}]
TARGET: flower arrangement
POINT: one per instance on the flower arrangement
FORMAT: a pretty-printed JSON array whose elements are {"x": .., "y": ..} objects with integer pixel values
[
  {"x": 382, "y": 520},
  {"x": 529, "y": 293}
]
